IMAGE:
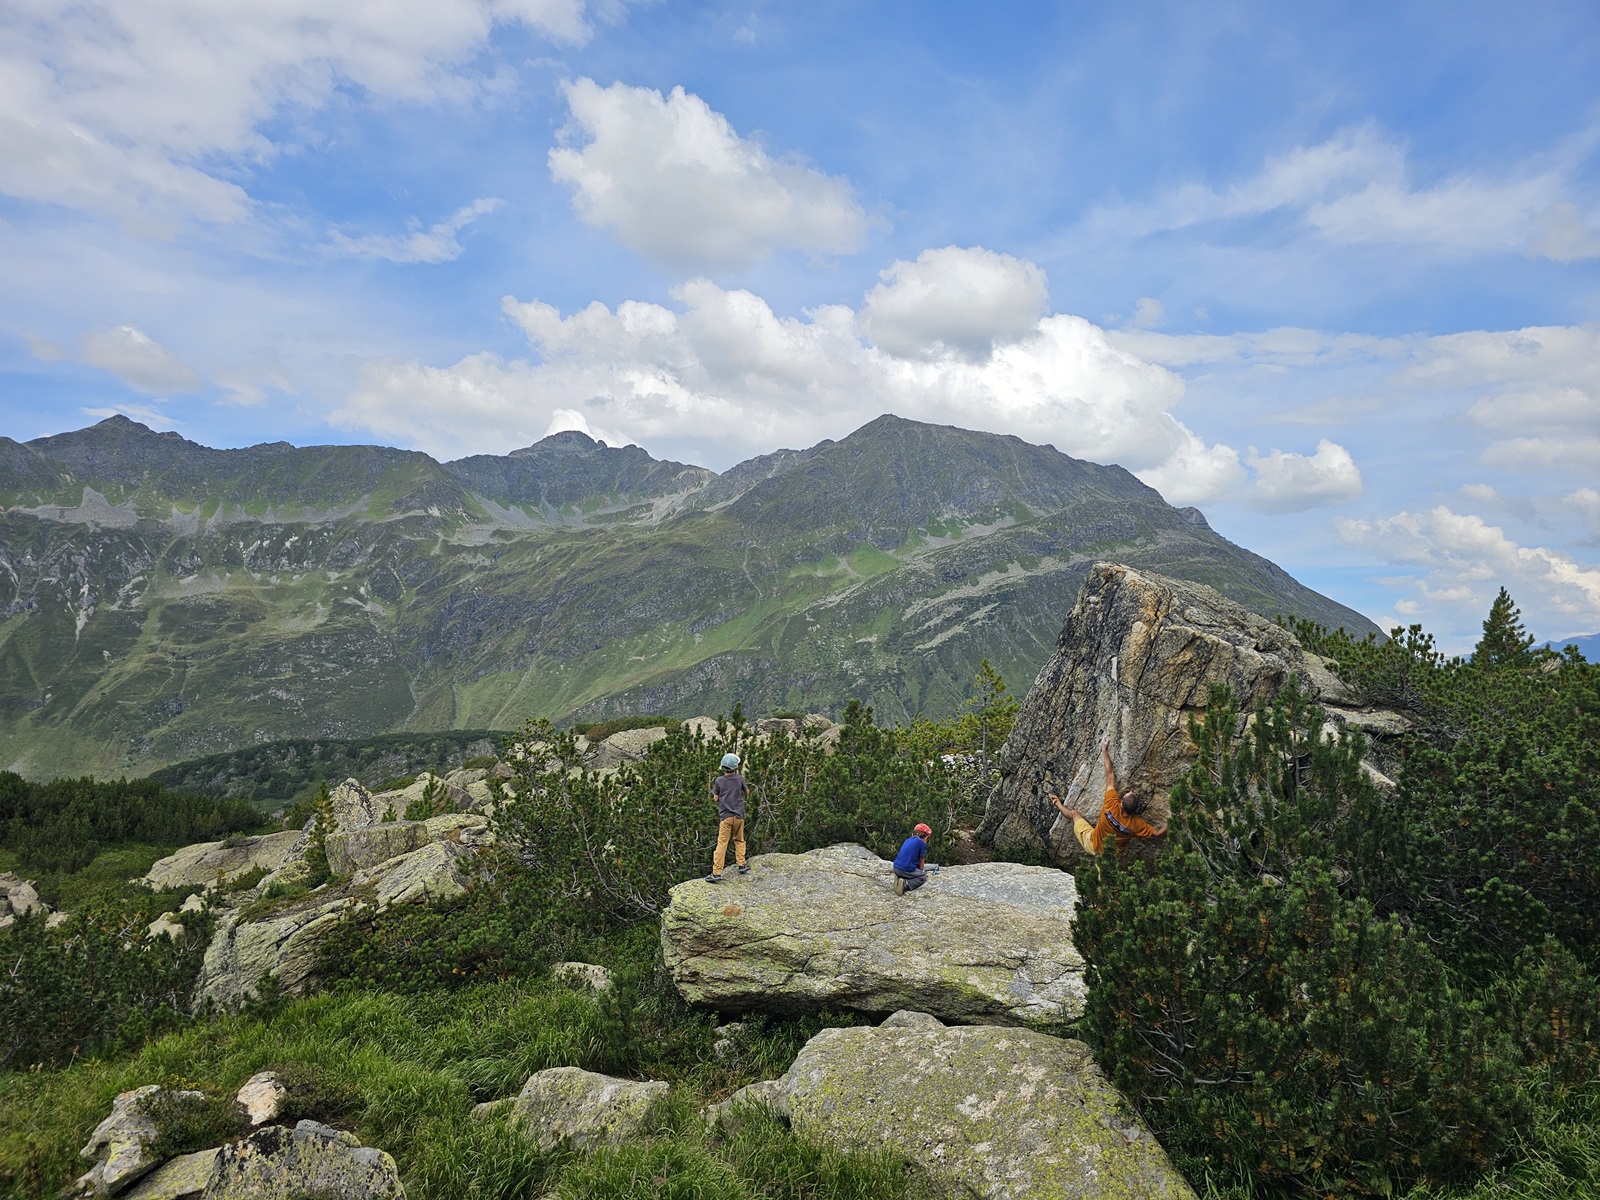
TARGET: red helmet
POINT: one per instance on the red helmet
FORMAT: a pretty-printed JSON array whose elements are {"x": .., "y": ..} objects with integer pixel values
[{"x": 923, "y": 830}]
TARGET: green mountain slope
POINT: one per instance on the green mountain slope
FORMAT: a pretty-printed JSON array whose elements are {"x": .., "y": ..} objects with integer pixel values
[{"x": 161, "y": 601}]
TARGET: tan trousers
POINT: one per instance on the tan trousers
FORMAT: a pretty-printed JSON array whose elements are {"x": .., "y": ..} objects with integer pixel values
[
  {"x": 1084, "y": 832},
  {"x": 731, "y": 827}
]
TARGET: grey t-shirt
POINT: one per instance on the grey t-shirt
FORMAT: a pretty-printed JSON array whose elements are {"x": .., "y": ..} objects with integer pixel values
[{"x": 729, "y": 790}]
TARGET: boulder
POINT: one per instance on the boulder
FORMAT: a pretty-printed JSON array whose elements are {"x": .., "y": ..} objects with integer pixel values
[
  {"x": 567, "y": 1104},
  {"x": 208, "y": 863},
  {"x": 119, "y": 1145},
  {"x": 354, "y": 807},
  {"x": 768, "y": 1093},
  {"x": 1136, "y": 659},
  {"x": 176, "y": 1179},
  {"x": 625, "y": 746},
  {"x": 18, "y": 896},
  {"x": 989, "y": 942},
  {"x": 262, "y": 1097},
  {"x": 309, "y": 1160},
  {"x": 1007, "y": 1114}
]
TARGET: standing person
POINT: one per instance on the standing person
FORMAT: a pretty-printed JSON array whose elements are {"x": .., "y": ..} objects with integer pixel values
[
  {"x": 911, "y": 864},
  {"x": 1120, "y": 815},
  {"x": 730, "y": 789}
]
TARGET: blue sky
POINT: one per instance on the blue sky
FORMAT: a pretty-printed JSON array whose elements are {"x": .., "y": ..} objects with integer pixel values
[{"x": 1329, "y": 272}]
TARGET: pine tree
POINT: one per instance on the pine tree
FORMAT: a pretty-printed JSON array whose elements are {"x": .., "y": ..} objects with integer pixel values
[{"x": 1505, "y": 643}]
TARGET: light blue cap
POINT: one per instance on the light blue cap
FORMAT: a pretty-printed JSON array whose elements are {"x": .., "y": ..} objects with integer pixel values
[{"x": 730, "y": 762}]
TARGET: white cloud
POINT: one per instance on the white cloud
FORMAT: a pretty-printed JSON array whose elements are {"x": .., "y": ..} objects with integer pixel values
[
  {"x": 1467, "y": 560},
  {"x": 141, "y": 363},
  {"x": 127, "y": 109},
  {"x": 671, "y": 179},
  {"x": 143, "y": 413},
  {"x": 1585, "y": 502},
  {"x": 721, "y": 376},
  {"x": 1357, "y": 188},
  {"x": 1148, "y": 313},
  {"x": 964, "y": 301},
  {"x": 1287, "y": 482},
  {"x": 436, "y": 244}
]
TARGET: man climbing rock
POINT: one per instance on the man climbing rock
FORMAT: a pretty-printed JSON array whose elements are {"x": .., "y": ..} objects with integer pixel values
[
  {"x": 911, "y": 864},
  {"x": 1120, "y": 815},
  {"x": 729, "y": 789}
]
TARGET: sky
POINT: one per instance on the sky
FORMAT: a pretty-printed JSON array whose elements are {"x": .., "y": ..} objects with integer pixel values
[{"x": 1329, "y": 272}]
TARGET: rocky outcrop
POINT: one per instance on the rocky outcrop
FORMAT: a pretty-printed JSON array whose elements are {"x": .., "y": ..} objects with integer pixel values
[
  {"x": 1135, "y": 660},
  {"x": 998, "y": 1114},
  {"x": 119, "y": 1147},
  {"x": 208, "y": 863},
  {"x": 565, "y": 1104},
  {"x": 282, "y": 944},
  {"x": 310, "y": 1160},
  {"x": 364, "y": 848},
  {"x": 990, "y": 942}
]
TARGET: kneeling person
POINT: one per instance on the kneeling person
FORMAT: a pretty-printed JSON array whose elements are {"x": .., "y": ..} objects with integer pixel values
[{"x": 911, "y": 864}]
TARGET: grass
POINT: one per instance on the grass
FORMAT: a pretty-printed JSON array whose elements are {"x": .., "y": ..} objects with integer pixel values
[
  {"x": 108, "y": 876},
  {"x": 409, "y": 1070}
]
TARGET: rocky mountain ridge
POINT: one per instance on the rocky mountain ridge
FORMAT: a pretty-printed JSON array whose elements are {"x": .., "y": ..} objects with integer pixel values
[{"x": 160, "y": 600}]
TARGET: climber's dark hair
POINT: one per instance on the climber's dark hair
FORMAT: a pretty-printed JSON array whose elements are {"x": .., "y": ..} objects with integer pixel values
[{"x": 1132, "y": 803}]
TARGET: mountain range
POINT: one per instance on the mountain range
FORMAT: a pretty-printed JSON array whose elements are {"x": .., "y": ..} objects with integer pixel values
[{"x": 161, "y": 600}]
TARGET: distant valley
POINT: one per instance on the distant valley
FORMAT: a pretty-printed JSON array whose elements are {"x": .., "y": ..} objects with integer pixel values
[{"x": 160, "y": 600}]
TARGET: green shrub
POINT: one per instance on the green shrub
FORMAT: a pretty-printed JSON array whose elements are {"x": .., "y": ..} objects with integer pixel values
[
  {"x": 95, "y": 985},
  {"x": 601, "y": 730},
  {"x": 606, "y": 848},
  {"x": 186, "y": 1123}
]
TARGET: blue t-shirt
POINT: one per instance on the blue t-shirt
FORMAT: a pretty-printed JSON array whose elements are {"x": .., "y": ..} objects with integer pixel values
[{"x": 912, "y": 852}]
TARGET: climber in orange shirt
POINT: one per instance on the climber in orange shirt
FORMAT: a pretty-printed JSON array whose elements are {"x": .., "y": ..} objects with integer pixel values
[{"x": 1119, "y": 816}]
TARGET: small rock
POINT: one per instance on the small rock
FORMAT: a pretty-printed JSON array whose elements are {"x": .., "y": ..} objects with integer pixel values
[
  {"x": 195, "y": 903},
  {"x": 567, "y": 1104},
  {"x": 262, "y": 1097},
  {"x": 56, "y": 919},
  {"x": 727, "y": 1039},
  {"x": 581, "y": 974},
  {"x": 275, "y": 1163}
]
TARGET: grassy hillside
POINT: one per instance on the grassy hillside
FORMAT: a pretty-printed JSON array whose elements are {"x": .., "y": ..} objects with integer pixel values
[{"x": 160, "y": 601}]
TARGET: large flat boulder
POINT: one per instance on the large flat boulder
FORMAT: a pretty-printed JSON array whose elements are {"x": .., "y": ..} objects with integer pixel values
[
  {"x": 998, "y": 1114},
  {"x": 990, "y": 942},
  {"x": 1135, "y": 660},
  {"x": 207, "y": 863}
]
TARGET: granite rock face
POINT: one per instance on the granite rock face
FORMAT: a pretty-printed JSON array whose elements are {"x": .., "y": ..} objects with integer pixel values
[
  {"x": 310, "y": 1160},
  {"x": 1135, "y": 660},
  {"x": 176, "y": 1179},
  {"x": 990, "y": 942},
  {"x": 997, "y": 1114},
  {"x": 567, "y": 1104}
]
